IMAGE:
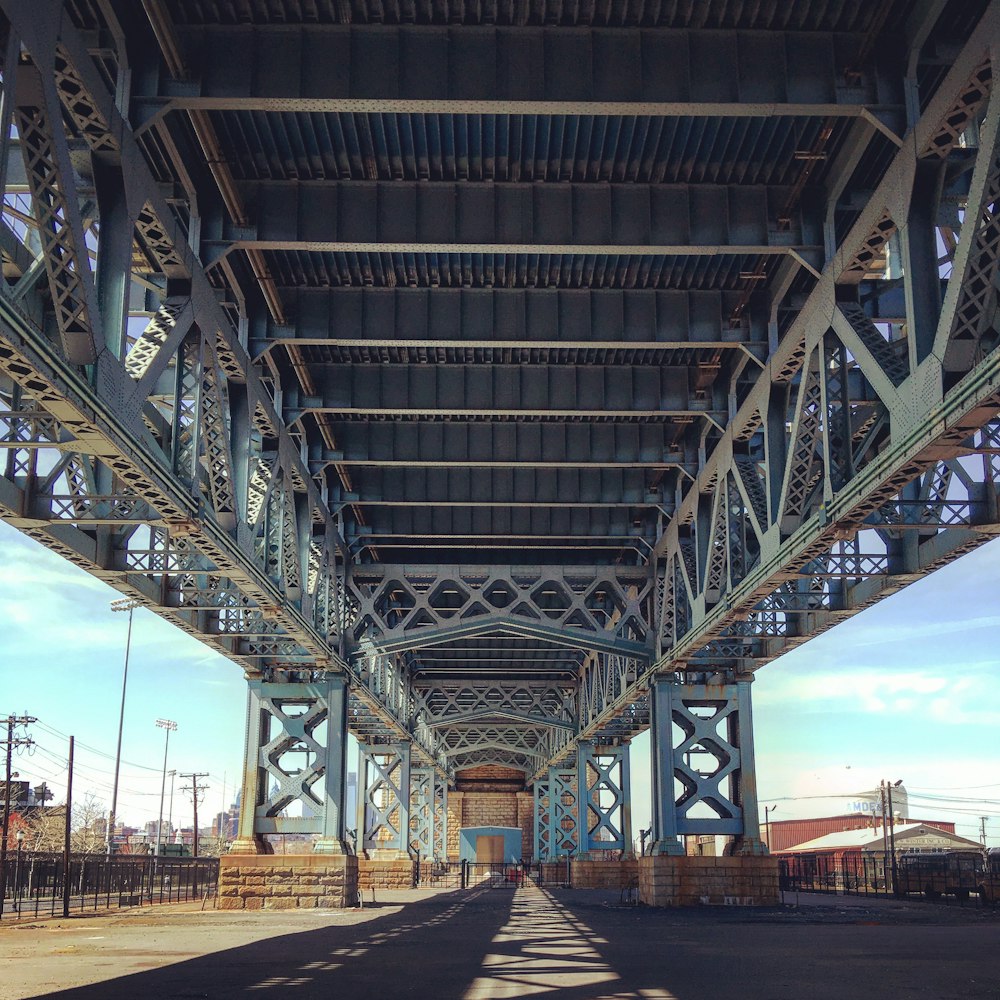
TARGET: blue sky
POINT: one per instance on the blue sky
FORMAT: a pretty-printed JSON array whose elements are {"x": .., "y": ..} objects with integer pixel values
[{"x": 908, "y": 689}]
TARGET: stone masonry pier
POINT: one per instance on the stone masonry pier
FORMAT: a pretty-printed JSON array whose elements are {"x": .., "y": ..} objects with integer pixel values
[{"x": 287, "y": 882}]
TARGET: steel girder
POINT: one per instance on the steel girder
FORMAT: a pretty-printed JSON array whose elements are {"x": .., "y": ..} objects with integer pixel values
[
  {"x": 504, "y": 392},
  {"x": 522, "y": 70},
  {"x": 397, "y": 608},
  {"x": 543, "y": 319},
  {"x": 467, "y": 217}
]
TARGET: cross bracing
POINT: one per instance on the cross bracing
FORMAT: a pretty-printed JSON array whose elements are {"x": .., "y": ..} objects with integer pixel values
[{"x": 508, "y": 366}]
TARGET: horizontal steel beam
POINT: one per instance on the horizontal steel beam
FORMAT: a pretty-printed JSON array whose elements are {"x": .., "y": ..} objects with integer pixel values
[
  {"x": 476, "y": 444},
  {"x": 504, "y": 487},
  {"x": 502, "y": 391},
  {"x": 397, "y": 216},
  {"x": 639, "y": 319},
  {"x": 488, "y": 70}
]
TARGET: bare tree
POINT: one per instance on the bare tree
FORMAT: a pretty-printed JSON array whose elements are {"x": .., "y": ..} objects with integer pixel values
[{"x": 45, "y": 829}]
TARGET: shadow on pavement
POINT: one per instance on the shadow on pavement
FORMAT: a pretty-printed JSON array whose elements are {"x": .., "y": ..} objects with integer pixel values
[
  {"x": 383, "y": 957},
  {"x": 487, "y": 944}
]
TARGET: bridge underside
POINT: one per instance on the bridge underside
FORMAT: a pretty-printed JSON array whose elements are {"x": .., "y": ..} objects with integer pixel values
[{"x": 497, "y": 381}]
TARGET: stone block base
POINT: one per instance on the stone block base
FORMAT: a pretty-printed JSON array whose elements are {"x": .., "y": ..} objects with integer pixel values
[
  {"x": 668, "y": 880},
  {"x": 287, "y": 881},
  {"x": 609, "y": 874},
  {"x": 385, "y": 873}
]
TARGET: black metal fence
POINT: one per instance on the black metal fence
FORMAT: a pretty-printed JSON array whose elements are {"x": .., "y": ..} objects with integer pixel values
[
  {"x": 36, "y": 882},
  {"x": 954, "y": 875},
  {"x": 468, "y": 874},
  {"x": 857, "y": 875}
]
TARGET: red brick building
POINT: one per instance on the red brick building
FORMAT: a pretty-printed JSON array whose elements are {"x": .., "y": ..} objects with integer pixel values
[{"x": 792, "y": 832}]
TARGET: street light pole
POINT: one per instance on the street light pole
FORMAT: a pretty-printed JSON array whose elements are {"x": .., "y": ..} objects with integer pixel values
[
  {"x": 170, "y": 808},
  {"x": 129, "y": 605},
  {"x": 892, "y": 829},
  {"x": 767, "y": 825},
  {"x": 169, "y": 726}
]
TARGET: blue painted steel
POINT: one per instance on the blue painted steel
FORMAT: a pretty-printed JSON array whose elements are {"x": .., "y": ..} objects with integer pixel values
[
  {"x": 605, "y": 814},
  {"x": 384, "y": 797},
  {"x": 564, "y": 812},
  {"x": 703, "y": 769},
  {"x": 287, "y": 762},
  {"x": 542, "y": 839}
]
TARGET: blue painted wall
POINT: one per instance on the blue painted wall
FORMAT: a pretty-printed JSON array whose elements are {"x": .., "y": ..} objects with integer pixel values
[{"x": 511, "y": 841}]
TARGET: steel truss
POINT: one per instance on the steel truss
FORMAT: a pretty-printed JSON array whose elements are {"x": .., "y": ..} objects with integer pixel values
[
  {"x": 852, "y": 449},
  {"x": 384, "y": 798},
  {"x": 605, "y": 800},
  {"x": 428, "y": 814},
  {"x": 295, "y": 753},
  {"x": 703, "y": 781}
]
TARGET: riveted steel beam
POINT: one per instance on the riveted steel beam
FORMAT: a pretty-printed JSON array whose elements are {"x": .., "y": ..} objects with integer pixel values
[
  {"x": 523, "y": 70},
  {"x": 397, "y": 216},
  {"x": 483, "y": 445},
  {"x": 568, "y": 318},
  {"x": 505, "y": 487},
  {"x": 624, "y": 392}
]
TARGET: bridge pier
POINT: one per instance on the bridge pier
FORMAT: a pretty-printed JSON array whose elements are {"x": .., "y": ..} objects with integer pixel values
[
  {"x": 583, "y": 809},
  {"x": 704, "y": 783},
  {"x": 390, "y": 804},
  {"x": 295, "y": 746}
]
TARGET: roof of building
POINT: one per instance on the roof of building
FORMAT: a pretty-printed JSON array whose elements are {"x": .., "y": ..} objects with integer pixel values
[{"x": 860, "y": 839}]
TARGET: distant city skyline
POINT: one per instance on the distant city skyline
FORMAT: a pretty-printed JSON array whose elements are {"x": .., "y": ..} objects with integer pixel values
[{"x": 909, "y": 689}]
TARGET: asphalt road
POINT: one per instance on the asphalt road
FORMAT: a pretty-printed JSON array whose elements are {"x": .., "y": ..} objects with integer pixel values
[{"x": 484, "y": 944}]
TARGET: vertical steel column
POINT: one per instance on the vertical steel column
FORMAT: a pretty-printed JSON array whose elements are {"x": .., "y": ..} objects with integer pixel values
[
  {"x": 605, "y": 807},
  {"x": 564, "y": 811},
  {"x": 661, "y": 697},
  {"x": 404, "y": 791},
  {"x": 384, "y": 797},
  {"x": 543, "y": 812},
  {"x": 332, "y": 839},
  {"x": 247, "y": 840},
  {"x": 421, "y": 835},
  {"x": 741, "y": 735},
  {"x": 703, "y": 763},
  {"x": 625, "y": 759},
  {"x": 440, "y": 806},
  {"x": 584, "y": 755},
  {"x": 284, "y": 721}
]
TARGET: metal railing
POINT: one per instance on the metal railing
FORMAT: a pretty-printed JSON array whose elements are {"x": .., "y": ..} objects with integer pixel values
[
  {"x": 36, "y": 883},
  {"x": 468, "y": 874},
  {"x": 932, "y": 877}
]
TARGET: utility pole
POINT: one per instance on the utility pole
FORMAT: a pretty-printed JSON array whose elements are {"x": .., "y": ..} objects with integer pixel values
[
  {"x": 195, "y": 791},
  {"x": 68, "y": 830},
  {"x": 885, "y": 834},
  {"x": 982, "y": 829},
  {"x": 11, "y": 743}
]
